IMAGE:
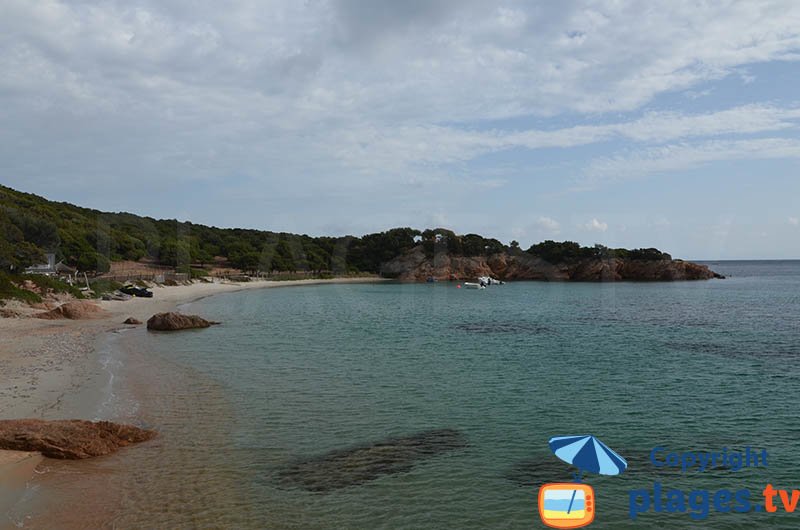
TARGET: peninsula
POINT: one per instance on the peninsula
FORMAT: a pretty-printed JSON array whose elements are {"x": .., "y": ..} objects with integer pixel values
[{"x": 103, "y": 248}]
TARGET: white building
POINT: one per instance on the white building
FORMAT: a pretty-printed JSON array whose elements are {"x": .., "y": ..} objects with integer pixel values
[
  {"x": 44, "y": 268},
  {"x": 51, "y": 268}
]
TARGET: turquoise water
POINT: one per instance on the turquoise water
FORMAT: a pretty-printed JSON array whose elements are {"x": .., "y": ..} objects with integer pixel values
[{"x": 293, "y": 374}]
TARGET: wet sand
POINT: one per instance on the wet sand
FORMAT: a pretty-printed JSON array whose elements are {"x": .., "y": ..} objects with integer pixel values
[
  {"x": 46, "y": 369},
  {"x": 38, "y": 358}
]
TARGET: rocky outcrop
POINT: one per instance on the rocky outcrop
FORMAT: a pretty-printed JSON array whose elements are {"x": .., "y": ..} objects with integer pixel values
[
  {"x": 69, "y": 439},
  {"x": 177, "y": 321},
  {"x": 640, "y": 270},
  {"x": 416, "y": 266},
  {"x": 133, "y": 321},
  {"x": 77, "y": 310}
]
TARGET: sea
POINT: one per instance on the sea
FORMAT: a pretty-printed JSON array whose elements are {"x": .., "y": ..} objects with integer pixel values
[{"x": 430, "y": 406}]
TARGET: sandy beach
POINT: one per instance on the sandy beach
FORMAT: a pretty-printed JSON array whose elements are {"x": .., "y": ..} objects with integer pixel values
[{"x": 43, "y": 361}]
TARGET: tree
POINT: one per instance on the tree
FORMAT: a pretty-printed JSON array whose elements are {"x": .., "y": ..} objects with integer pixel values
[
  {"x": 564, "y": 252},
  {"x": 648, "y": 254},
  {"x": 93, "y": 262},
  {"x": 248, "y": 262},
  {"x": 35, "y": 230},
  {"x": 203, "y": 256},
  {"x": 175, "y": 253},
  {"x": 15, "y": 252}
]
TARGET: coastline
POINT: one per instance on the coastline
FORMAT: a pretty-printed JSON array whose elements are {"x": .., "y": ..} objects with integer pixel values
[
  {"x": 38, "y": 356},
  {"x": 47, "y": 365}
]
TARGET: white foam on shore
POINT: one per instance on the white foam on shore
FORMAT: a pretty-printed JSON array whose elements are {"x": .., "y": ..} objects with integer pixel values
[
  {"x": 114, "y": 402},
  {"x": 15, "y": 487}
]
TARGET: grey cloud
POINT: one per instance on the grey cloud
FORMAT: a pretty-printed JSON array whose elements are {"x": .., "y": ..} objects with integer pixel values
[{"x": 361, "y": 22}]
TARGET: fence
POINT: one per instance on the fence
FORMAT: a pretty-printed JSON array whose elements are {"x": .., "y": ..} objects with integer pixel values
[{"x": 155, "y": 276}]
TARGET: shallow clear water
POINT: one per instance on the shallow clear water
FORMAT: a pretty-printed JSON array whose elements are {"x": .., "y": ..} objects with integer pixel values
[{"x": 293, "y": 374}]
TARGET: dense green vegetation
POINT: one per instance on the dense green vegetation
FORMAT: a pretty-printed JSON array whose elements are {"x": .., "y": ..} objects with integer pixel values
[
  {"x": 441, "y": 239},
  {"x": 101, "y": 286},
  {"x": 89, "y": 240},
  {"x": 571, "y": 252}
]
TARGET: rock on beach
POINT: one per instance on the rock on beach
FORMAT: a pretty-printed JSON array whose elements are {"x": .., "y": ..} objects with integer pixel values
[
  {"x": 77, "y": 310},
  {"x": 69, "y": 439},
  {"x": 177, "y": 321}
]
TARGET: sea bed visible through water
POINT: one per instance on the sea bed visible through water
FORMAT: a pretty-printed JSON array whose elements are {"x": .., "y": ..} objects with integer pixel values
[{"x": 428, "y": 406}]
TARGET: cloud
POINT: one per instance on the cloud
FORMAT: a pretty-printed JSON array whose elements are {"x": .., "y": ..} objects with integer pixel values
[
  {"x": 330, "y": 98},
  {"x": 794, "y": 221},
  {"x": 548, "y": 224},
  {"x": 369, "y": 22},
  {"x": 596, "y": 226},
  {"x": 398, "y": 148},
  {"x": 678, "y": 157}
]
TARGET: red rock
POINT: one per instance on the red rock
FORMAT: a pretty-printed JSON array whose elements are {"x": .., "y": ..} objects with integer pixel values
[
  {"x": 177, "y": 321},
  {"x": 414, "y": 265},
  {"x": 69, "y": 439},
  {"x": 74, "y": 311}
]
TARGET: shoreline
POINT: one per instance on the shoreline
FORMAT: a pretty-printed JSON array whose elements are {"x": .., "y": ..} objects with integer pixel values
[
  {"x": 46, "y": 363},
  {"x": 35, "y": 353}
]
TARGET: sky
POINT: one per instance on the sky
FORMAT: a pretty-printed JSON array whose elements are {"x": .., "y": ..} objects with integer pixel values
[{"x": 671, "y": 124}]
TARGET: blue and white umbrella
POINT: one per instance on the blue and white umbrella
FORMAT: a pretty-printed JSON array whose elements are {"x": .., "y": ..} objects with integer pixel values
[{"x": 587, "y": 453}]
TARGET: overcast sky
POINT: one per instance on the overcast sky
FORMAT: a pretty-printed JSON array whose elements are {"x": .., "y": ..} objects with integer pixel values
[{"x": 670, "y": 124}]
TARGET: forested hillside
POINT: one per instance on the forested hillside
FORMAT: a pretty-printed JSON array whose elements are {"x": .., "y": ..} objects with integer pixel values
[
  {"x": 31, "y": 225},
  {"x": 89, "y": 239}
]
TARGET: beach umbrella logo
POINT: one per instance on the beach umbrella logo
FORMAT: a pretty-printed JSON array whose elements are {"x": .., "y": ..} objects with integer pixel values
[{"x": 572, "y": 505}]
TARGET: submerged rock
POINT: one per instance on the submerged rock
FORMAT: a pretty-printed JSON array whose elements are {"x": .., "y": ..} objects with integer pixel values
[
  {"x": 132, "y": 321},
  {"x": 69, "y": 439},
  {"x": 342, "y": 468},
  {"x": 177, "y": 321}
]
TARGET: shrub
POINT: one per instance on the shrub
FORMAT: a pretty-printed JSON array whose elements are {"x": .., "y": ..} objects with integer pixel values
[
  {"x": 48, "y": 283},
  {"x": 100, "y": 287},
  {"x": 197, "y": 273},
  {"x": 9, "y": 289}
]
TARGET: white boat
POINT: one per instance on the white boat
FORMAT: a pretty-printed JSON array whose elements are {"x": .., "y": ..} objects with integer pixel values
[
  {"x": 470, "y": 285},
  {"x": 488, "y": 280}
]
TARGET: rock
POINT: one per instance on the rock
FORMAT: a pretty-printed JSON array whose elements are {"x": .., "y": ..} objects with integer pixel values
[
  {"x": 77, "y": 310},
  {"x": 69, "y": 439},
  {"x": 414, "y": 265},
  {"x": 177, "y": 321},
  {"x": 44, "y": 306},
  {"x": 663, "y": 270},
  {"x": 133, "y": 321},
  {"x": 9, "y": 313},
  {"x": 342, "y": 468}
]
